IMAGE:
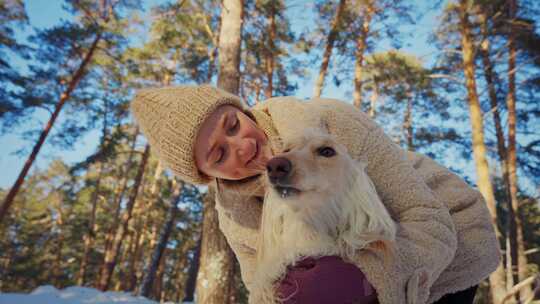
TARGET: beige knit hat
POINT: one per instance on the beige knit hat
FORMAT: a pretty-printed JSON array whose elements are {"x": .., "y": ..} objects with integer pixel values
[{"x": 171, "y": 117}]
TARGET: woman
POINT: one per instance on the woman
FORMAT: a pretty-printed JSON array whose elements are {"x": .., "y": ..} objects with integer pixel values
[{"x": 446, "y": 244}]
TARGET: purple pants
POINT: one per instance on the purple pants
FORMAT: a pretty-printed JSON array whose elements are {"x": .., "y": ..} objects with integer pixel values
[{"x": 325, "y": 280}]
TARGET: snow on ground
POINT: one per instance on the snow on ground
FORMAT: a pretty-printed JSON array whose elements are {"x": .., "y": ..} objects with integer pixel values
[{"x": 72, "y": 295}]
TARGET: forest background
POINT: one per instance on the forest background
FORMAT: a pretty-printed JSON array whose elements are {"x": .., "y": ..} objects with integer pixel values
[{"x": 85, "y": 202}]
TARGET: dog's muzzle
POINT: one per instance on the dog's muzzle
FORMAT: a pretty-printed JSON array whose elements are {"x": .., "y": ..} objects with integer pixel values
[
  {"x": 279, "y": 172},
  {"x": 279, "y": 169}
]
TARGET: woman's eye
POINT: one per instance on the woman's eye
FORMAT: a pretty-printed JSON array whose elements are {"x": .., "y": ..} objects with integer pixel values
[
  {"x": 326, "y": 151},
  {"x": 235, "y": 126},
  {"x": 221, "y": 156}
]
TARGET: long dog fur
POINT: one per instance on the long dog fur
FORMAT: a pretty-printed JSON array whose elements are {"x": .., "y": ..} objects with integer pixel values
[{"x": 349, "y": 219}]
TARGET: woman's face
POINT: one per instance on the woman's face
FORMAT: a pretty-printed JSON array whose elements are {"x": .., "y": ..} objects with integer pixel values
[{"x": 230, "y": 145}]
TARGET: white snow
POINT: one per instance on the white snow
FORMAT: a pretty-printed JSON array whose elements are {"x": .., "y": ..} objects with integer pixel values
[{"x": 72, "y": 295}]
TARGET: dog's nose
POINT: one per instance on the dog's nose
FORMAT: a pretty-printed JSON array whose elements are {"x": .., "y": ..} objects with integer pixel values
[{"x": 278, "y": 168}]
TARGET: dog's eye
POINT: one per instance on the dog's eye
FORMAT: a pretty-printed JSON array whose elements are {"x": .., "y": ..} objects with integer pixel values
[
  {"x": 326, "y": 151},
  {"x": 286, "y": 150}
]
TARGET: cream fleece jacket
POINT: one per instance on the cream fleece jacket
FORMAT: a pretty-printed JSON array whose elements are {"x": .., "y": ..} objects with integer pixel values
[{"x": 444, "y": 227}]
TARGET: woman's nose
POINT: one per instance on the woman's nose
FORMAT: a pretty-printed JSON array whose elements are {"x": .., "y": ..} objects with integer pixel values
[{"x": 246, "y": 148}]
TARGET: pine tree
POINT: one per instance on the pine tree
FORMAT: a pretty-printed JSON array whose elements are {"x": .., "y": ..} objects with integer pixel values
[
  {"x": 66, "y": 54},
  {"x": 12, "y": 15},
  {"x": 157, "y": 256},
  {"x": 336, "y": 27},
  {"x": 269, "y": 46},
  {"x": 111, "y": 259},
  {"x": 479, "y": 149},
  {"x": 215, "y": 251}
]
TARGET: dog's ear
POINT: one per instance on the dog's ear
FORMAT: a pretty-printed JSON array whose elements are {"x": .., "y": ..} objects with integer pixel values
[{"x": 367, "y": 219}]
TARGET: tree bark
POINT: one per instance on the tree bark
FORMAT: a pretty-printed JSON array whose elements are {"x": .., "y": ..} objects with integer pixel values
[
  {"x": 130, "y": 279},
  {"x": 192, "y": 274},
  {"x": 496, "y": 279},
  {"x": 112, "y": 255},
  {"x": 373, "y": 99},
  {"x": 158, "y": 286},
  {"x": 120, "y": 277},
  {"x": 229, "y": 45},
  {"x": 179, "y": 278},
  {"x": 148, "y": 280},
  {"x": 137, "y": 271},
  {"x": 510, "y": 250},
  {"x": 217, "y": 258},
  {"x": 119, "y": 197},
  {"x": 525, "y": 292},
  {"x": 407, "y": 124},
  {"x": 57, "y": 269},
  {"x": 332, "y": 35},
  {"x": 77, "y": 76},
  {"x": 216, "y": 267},
  {"x": 361, "y": 46}
]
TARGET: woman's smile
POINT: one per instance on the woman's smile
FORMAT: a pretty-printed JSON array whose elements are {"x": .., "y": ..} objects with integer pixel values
[{"x": 231, "y": 146}]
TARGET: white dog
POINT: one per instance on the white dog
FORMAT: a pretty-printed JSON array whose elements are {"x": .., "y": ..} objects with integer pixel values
[{"x": 321, "y": 203}]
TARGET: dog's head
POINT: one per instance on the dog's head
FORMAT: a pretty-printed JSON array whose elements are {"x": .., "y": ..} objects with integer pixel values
[
  {"x": 312, "y": 164},
  {"x": 317, "y": 178}
]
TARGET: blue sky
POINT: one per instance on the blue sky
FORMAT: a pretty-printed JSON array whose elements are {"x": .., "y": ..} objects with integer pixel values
[{"x": 43, "y": 14}]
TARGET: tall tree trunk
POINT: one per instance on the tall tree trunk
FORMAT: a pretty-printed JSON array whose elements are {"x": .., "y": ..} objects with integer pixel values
[
  {"x": 158, "y": 284},
  {"x": 407, "y": 124},
  {"x": 130, "y": 278},
  {"x": 257, "y": 91},
  {"x": 119, "y": 278},
  {"x": 373, "y": 99},
  {"x": 232, "y": 15},
  {"x": 332, "y": 35},
  {"x": 117, "y": 205},
  {"x": 215, "y": 42},
  {"x": 526, "y": 292},
  {"x": 138, "y": 265},
  {"x": 178, "y": 276},
  {"x": 497, "y": 278},
  {"x": 137, "y": 270},
  {"x": 216, "y": 263},
  {"x": 510, "y": 250},
  {"x": 112, "y": 256},
  {"x": 163, "y": 239},
  {"x": 57, "y": 269},
  {"x": 192, "y": 273},
  {"x": 91, "y": 234},
  {"x": 361, "y": 46},
  {"x": 180, "y": 279},
  {"x": 270, "y": 52},
  {"x": 153, "y": 200},
  {"x": 215, "y": 249},
  {"x": 77, "y": 76}
]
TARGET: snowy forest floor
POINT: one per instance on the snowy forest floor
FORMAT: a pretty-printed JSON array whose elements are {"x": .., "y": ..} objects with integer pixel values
[{"x": 73, "y": 295}]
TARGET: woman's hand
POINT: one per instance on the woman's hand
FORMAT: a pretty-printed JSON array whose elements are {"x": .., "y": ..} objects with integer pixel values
[{"x": 324, "y": 280}]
